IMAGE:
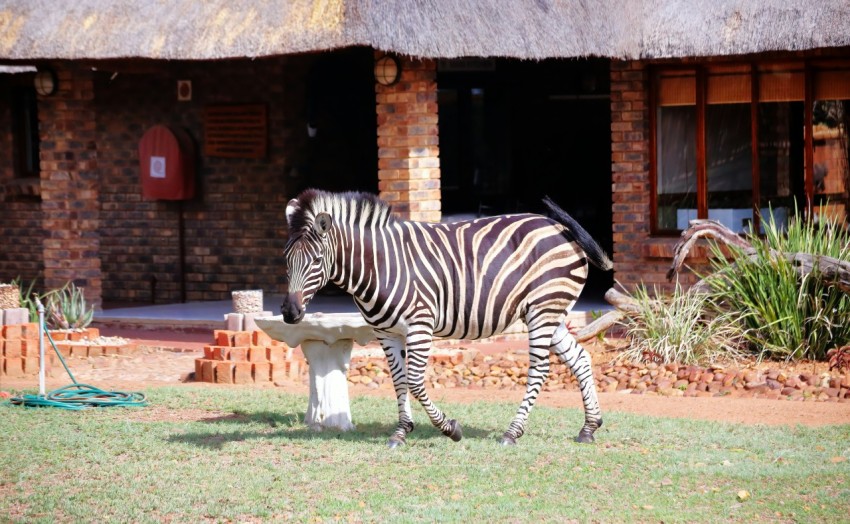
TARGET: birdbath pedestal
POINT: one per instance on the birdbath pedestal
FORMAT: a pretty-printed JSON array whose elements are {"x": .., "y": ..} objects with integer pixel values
[{"x": 326, "y": 341}]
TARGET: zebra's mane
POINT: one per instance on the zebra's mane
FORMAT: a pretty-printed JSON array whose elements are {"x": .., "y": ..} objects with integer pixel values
[{"x": 344, "y": 208}]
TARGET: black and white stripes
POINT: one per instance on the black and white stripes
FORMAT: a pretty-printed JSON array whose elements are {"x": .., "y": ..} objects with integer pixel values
[{"x": 467, "y": 280}]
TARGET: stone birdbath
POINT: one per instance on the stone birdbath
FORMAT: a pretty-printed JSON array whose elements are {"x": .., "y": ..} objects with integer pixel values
[{"x": 326, "y": 341}]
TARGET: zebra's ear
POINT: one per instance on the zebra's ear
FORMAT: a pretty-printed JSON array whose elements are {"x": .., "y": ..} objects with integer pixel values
[
  {"x": 291, "y": 208},
  {"x": 322, "y": 223}
]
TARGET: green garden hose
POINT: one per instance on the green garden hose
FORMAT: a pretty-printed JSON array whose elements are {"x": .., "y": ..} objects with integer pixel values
[{"x": 78, "y": 396}]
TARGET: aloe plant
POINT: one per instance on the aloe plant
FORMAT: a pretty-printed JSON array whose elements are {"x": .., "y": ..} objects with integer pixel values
[{"x": 66, "y": 308}]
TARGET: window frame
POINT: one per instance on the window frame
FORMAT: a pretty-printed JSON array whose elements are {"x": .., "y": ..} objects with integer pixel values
[{"x": 701, "y": 71}]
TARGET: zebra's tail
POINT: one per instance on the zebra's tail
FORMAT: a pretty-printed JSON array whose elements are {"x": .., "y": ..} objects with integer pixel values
[{"x": 595, "y": 254}]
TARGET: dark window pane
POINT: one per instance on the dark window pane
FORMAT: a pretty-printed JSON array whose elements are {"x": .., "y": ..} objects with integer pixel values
[
  {"x": 781, "y": 147},
  {"x": 729, "y": 165},
  {"x": 676, "y": 167}
]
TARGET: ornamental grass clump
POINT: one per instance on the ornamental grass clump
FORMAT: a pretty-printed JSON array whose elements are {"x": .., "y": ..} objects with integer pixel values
[
  {"x": 783, "y": 315},
  {"x": 679, "y": 328}
]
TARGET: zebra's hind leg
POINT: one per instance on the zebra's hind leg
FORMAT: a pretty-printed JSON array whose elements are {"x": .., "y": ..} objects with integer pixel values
[
  {"x": 418, "y": 346},
  {"x": 394, "y": 351},
  {"x": 538, "y": 370},
  {"x": 571, "y": 353}
]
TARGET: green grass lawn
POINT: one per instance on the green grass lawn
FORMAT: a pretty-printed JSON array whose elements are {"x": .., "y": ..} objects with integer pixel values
[{"x": 175, "y": 462}]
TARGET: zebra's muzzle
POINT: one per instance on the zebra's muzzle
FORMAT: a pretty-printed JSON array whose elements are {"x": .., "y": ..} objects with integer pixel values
[{"x": 291, "y": 309}]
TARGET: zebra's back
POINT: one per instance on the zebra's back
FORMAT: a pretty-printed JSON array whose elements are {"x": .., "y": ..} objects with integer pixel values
[{"x": 478, "y": 277}]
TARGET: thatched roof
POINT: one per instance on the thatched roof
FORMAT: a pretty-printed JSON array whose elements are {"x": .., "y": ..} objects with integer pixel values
[{"x": 210, "y": 29}]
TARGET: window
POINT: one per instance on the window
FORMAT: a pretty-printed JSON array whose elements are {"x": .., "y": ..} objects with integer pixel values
[
  {"x": 730, "y": 143},
  {"x": 25, "y": 132}
]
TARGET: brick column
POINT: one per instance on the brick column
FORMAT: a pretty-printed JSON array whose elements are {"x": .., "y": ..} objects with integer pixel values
[
  {"x": 630, "y": 170},
  {"x": 408, "y": 141},
  {"x": 69, "y": 184}
]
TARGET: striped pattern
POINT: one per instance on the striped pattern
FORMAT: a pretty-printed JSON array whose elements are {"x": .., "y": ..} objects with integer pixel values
[{"x": 415, "y": 281}]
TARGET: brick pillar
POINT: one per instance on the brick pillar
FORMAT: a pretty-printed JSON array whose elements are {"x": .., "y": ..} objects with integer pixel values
[
  {"x": 630, "y": 169},
  {"x": 69, "y": 184},
  {"x": 408, "y": 142}
]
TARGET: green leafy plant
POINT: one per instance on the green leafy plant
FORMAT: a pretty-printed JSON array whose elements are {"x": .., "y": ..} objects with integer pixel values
[
  {"x": 66, "y": 308},
  {"x": 682, "y": 327},
  {"x": 27, "y": 297},
  {"x": 783, "y": 315}
]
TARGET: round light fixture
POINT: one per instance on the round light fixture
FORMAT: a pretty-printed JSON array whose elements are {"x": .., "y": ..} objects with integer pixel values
[
  {"x": 45, "y": 82},
  {"x": 387, "y": 70}
]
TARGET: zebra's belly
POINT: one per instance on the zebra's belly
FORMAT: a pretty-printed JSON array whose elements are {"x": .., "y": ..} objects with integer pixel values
[{"x": 475, "y": 330}]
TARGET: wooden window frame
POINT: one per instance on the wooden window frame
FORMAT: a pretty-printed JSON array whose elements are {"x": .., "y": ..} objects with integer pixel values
[{"x": 701, "y": 73}]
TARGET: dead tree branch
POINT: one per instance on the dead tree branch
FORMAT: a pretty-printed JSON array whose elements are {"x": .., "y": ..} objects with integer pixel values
[{"x": 832, "y": 270}]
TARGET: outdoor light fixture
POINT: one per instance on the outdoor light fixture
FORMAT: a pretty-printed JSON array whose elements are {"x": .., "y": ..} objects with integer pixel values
[
  {"x": 45, "y": 82},
  {"x": 387, "y": 70}
]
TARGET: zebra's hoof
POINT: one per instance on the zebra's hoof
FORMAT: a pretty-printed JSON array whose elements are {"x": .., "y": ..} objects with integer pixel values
[
  {"x": 507, "y": 440},
  {"x": 585, "y": 436},
  {"x": 454, "y": 432},
  {"x": 396, "y": 442}
]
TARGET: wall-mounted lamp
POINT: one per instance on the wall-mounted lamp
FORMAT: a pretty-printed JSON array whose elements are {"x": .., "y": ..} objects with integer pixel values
[
  {"x": 387, "y": 70},
  {"x": 45, "y": 82}
]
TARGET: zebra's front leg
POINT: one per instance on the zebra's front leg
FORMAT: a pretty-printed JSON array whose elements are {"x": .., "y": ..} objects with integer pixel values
[
  {"x": 393, "y": 347},
  {"x": 538, "y": 370},
  {"x": 418, "y": 346},
  {"x": 571, "y": 353}
]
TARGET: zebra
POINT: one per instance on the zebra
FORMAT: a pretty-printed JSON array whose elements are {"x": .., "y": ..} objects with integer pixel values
[{"x": 414, "y": 281}]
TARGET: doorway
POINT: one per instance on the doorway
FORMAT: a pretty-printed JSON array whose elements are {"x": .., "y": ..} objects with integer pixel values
[{"x": 512, "y": 132}]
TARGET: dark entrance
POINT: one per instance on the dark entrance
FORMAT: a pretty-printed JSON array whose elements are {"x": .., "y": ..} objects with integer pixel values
[{"x": 513, "y": 131}]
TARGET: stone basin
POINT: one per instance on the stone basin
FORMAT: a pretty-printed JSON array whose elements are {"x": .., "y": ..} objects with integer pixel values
[{"x": 326, "y": 341}]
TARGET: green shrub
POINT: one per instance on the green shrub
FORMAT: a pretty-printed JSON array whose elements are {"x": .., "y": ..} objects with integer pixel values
[
  {"x": 680, "y": 328},
  {"x": 783, "y": 315}
]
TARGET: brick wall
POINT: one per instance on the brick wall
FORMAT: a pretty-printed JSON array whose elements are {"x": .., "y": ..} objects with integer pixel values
[
  {"x": 408, "y": 142},
  {"x": 69, "y": 183},
  {"x": 21, "y": 234},
  {"x": 638, "y": 257},
  {"x": 234, "y": 229}
]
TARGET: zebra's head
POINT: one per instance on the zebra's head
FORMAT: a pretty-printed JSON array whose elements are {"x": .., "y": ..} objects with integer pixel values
[{"x": 306, "y": 255}]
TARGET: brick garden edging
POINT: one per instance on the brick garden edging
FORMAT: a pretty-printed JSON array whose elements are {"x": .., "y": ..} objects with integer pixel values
[{"x": 469, "y": 368}]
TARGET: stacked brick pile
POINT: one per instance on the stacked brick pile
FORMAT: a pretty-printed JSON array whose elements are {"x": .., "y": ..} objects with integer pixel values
[
  {"x": 19, "y": 348},
  {"x": 247, "y": 357},
  {"x": 19, "y": 344}
]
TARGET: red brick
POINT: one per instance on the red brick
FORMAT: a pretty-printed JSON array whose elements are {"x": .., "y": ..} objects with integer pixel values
[
  {"x": 75, "y": 335},
  {"x": 29, "y": 331},
  {"x": 278, "y": 371},
  {"x": 243, "y": 373},
  {"x": 262, "y": 371},
  {"x": 260, "y": 338},
  {"x": 257, "y": 354},
  {"x": 30, "y": 365},
  {"x": 241, "y": 338},
  {"x": 275, "y": 354},
  {"x": 208, "y": 370},
  {"x": 220, "y": 353},
  {"x": 199, "y": 369},
  {"x": 238, "y": 354},
  {"x": 95, "y": 351},
  {"x": 224, "y": 372},
  {"x": 58, "y": 336},
  {"x": 223, "y": 337},
  {"x": 208, "y": 352},
  {"x": 92, "y": 333},
  {"x": 12, "y": 332},
  {"x": 14, "y": 367},
  {"x": 78, "y": 350},
  {"x": 13, "y": 348},
  {"x": 110, "y": 350},
  {"x": 64, "y": 349}
]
